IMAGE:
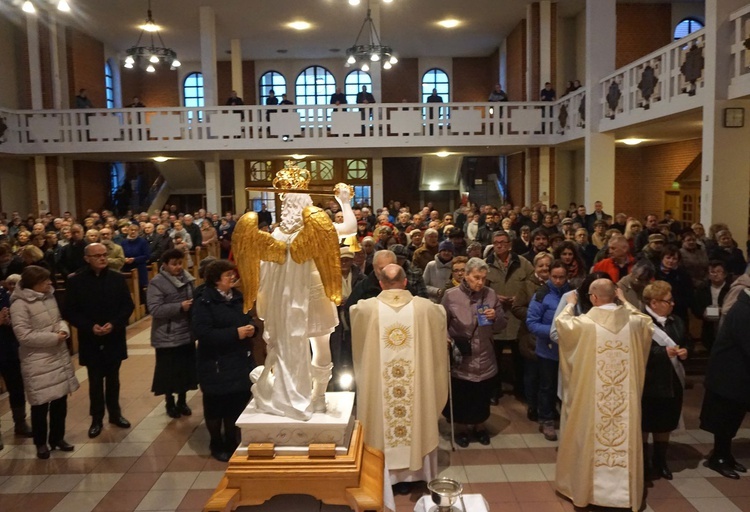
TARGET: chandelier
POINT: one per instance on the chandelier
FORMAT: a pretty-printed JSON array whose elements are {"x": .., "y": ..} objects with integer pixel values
[
  {"x": 150, "y": 54},
  {"x": 370, "y": 49}
]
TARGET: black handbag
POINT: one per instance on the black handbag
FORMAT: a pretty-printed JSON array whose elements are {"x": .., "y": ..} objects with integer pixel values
[{"x": 463, "y": 344}]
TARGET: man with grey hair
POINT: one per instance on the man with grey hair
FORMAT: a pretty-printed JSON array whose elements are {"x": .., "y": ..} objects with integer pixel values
[
  {"x": 193, "y": 230},
  {"x": 370, "y": 287},
  {"x": 429, "y": 249},
  {"x": 603, "y": 355},
  {"x": 399, "y": 342}
]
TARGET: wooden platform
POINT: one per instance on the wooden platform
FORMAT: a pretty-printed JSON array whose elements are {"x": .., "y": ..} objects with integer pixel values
[{"x": 354, "y": 479}]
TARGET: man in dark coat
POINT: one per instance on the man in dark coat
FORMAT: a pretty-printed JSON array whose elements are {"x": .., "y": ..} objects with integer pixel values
[
  {"x": 71, "y": 256},
  {"x": 193, "y": 230},
  {"x": 98, "y": 304}
]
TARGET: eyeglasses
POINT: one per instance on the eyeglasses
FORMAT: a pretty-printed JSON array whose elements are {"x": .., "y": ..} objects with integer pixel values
[
  {"x": 670, "y": 301},
  {"x": 99, "y": 255}
]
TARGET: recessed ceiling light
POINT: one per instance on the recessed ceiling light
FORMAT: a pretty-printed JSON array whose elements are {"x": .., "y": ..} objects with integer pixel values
[
  {"x": 281, "y": 50},
  {"x": 160, "y": 159},
  {"x": 631, "y": 141},
  {"x": 442, "y": 154},
  {"x": 298, "y": 157},
  {"x": 353, "y": 2},
  {"x": 334, "y": 50},
  {"x": 299, "y": 25},
  {"x": 449, "y": 23},
  {"x": 434, "y": 186}
]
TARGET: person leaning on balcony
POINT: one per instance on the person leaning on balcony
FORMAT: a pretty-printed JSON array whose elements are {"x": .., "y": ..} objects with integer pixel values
[
  {"x": 137, "y": 103},
  {"x": 82, "y": 100},
  {"x": 548, "y": 93},
  {"x": 498, "y": 94}
]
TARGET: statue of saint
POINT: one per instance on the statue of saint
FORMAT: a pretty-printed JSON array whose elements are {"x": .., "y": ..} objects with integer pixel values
[{"x": 295, "y": 274}]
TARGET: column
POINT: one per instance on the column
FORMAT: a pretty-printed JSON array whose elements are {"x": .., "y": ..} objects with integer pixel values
[
  {"x": 54, "y": 57},
  {"x": 599, "y": 174},
  {"x": 240, "y": 194},
  {"x": 376, "y": 70},
  {"x": 237, "y": 79},
  {"x": 377, "y": 182},
  {"x": 35, "y": 66},
  {"x": 545, "y": 43},
  {"x": 213, "y": 184},
  {"x": 42, "y": 185},
  {"x": 527, "y": 178},
  {"x": 544, "y": 175},
  {"x": 725, "y": 183},
  {"x": 62, "y": 185},
  {"x": 208, "y": 55}
]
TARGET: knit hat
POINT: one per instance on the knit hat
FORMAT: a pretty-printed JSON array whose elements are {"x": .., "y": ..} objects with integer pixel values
[
  {"x": 399, "y": 250},
  {"x": 656, "y": 237},
  {"x": 446, "y": 245}
]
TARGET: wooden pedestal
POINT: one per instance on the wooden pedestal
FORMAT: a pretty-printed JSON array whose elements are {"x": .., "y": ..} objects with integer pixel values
[{"x": 354, "y": 479}]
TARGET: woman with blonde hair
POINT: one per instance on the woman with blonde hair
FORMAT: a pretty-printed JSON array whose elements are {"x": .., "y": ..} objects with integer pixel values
[
  {"x": 632, "y": 228},
  {"x": 665, "y": 377}
]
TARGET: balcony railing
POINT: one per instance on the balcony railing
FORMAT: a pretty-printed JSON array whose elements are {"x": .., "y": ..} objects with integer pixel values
[
  {"x": 740, "y": 82},
  {"x": 292, "y": 127},
  {"x": 667, "y": 81}
]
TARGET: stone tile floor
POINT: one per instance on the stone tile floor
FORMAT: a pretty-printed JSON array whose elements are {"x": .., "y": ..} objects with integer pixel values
[{"x": 162, "y": 464}]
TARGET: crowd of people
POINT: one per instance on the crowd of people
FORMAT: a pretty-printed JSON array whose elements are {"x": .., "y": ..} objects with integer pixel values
[{"x": 502, "y": 274}]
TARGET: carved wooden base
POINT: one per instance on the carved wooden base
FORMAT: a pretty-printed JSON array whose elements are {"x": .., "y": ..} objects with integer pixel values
[{"x": 354, "y": 479}]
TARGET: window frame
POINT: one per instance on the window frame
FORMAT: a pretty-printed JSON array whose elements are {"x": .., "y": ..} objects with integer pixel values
[
  {"x": 278, "y": 88},
  {"x": 109, "y": 84},
  {"x": 690, "y": 20},
  {"x": 351, "y": 98},
  {"x": 321, "y": 92},
  {"x": 428, "y": 85},
  {"x": 198, "y": 97}
]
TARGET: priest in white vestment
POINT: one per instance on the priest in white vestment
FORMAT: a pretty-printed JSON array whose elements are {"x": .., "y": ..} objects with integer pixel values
[
  {"x": 603, "y": 356},
  {"x": 400, "y": 353}
]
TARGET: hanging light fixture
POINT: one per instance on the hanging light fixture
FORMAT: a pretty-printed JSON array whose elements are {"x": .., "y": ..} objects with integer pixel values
[
  {"x": 370, "y": 49},
  {"x": 150, "y": 54}
]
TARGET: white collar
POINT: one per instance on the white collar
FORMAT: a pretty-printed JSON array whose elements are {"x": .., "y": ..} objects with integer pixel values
[
  {"x": 610, "y": 306},
  {"x": 661, "y": 319}
]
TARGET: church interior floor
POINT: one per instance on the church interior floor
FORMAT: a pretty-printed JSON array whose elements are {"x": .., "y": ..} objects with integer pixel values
[{"x": 163, "y": 464}]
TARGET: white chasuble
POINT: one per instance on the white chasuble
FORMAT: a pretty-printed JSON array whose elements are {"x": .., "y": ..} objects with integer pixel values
[
  {"x": 397, "y": 358},
  {"x": 612, "y": 436}
]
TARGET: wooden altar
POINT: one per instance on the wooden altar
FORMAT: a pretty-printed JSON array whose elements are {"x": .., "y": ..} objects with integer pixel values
[{"x": 354, "y": 479}]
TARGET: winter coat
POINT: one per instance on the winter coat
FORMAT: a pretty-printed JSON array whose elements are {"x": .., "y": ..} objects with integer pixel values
[
  {"x": 138, "y": 249},
  {"x": 510, "y": 283},
  {"x": 728, "y": 373},
  {"x": 102, "y": 299},
  {"x": 526, "y": 340},
  {"x": 45, "y": 361},
  {"x": 435, "y": 275},
  {"x": 460, "y": 305},
  {"x": 170, "y": 324},
  {"x": 224, "y": 361},
  {"x": 541, "y": 315},
  {"x": 661, "y": 378}
]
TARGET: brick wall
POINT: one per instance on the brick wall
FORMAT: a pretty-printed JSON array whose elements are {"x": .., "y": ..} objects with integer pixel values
[
  {"x": 224, "y": 79},
  {"x": 516, "y": 63},
  {"x": 91, "y": 184},
  {"x": 641, "y": 29},
  {"x": 642, "y": 175},
  {"x": 85, "y": 67},
  {"x": 401, "y": 179},
  {"x": 535, "y": 71},
  {"x": 516, "y": 164},
  {"x": 552, "y": 174},
  {"x": 158, "y": 89},
  {"x": 401, "y": 82},
  {"x": 473, "y": 78}
]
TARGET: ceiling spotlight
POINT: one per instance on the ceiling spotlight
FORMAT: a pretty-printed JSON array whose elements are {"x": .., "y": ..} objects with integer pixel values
[
  {"x": 374, "y": 57},
  {"x": 63, "y": 6},
  {"x": 351, "y": 60},
  {"x": 176, "y": 63},
  {"x": 434, "y": 186},
  {"x": 449, "y": 23},
  {"x": 128, "y": 65},
  {"x": 299, "y": 25},
  {"x": 442, "y": 154},
  {"x": 393, "y": 59},
  {"x": 28, "y": 7},
  {"x": 160, "y": 159},
  {"x": 150, "y": 68},
  {"x": 387, "y": 65},
  {"x": 353, "y": 2},
  {"x": 387, "y": 1},
  {"x": 631, "y": 141}
]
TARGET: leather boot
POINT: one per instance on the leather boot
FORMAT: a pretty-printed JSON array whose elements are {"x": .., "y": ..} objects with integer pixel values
[
  {"x": 19, "y": 418},
  {"x": 660, "y": 460},
  {"x": 321, "y": 375}
]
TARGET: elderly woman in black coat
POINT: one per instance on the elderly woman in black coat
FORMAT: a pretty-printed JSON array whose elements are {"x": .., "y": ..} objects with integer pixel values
[{"x": 224, "y": 335}]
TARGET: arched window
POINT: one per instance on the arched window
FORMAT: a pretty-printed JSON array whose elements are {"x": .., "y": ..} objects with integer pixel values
[
  {"x": 109, "y": 85},
  {"x": 271, "y": 80},
  {"x": 436, "y": 79},
  {"x": 192, "y": 92},
  {"x": 687, "y": 27},
  {"x": 353, "y": 84},
  {"x": 314, "y": 86}
]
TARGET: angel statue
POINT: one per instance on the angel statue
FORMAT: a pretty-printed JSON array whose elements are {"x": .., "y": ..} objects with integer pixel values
[{"x": 295, "y": 274}]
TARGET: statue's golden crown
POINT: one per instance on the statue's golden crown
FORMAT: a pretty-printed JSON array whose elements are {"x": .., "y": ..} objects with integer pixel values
[{"x": 291, "y": 177}]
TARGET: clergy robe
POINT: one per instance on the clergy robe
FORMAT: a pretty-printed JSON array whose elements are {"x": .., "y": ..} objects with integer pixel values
[
  {"x": 419, "y": 345},
  {"x": 603, "y": 356}
]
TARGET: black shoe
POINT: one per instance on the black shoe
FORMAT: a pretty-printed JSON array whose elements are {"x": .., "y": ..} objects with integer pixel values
[
  {"x": 120, "y": 422},
  {"x": 63, "y": 446},
  {"x": 172, "y": 411},
  {"x": 663, "y": 472},
  {"x": 483, "y": 437},
  {"x": 22, "y": 429},
  {"x": 736, "y": 465},
  {"x": 494, "y": 400},
  {"x": 220, "y": 455},
  {"x": 402, "y": 488},
  {"x": 42, "y": 452},
  {"x": 531, "y": 414},
  {"x": 95, "y": 429},
  {"x": 722, "y": 466},
  {"x": 462, "y": 439},
  {"x": 184, "y": 410}
]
